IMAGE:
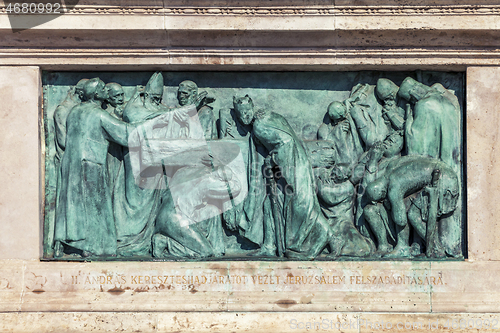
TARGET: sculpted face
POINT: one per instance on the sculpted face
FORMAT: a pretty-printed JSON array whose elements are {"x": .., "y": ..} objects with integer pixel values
[
  {"x": 101, "y": 93},
  {"x": 340, "y": 173},
  {"x": 186, "y": 95},
  {"x": 245, "y": 113},
  {"x": 154, "y": 89},
  {"x": 390, "y": 102},
  {"x": 337, "y": 112},
  {"x": 418, "y": 92},
  {"x": 80, "y": 93},
  {"x": 79, "y": 89},
  {"x": 386, "y": 90},
  {"x": 95, "y": 89},
  {"x": 116, "y": 96},
  {"x": 412, "y": 90},
  {"x": 156, "y": 98}
]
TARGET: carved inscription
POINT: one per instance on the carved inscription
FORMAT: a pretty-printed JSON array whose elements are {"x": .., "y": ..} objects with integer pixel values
[{"x": 215, "y": 279}]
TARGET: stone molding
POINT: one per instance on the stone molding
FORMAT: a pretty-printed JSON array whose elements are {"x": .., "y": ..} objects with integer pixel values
[
  {"x": 285, "y": 10},
  {"x": 306, "y": 11},
  {"x": 257, "y": 59},
  {"x": 335, "y": 11},
  {"x": 253, "y": 34}
]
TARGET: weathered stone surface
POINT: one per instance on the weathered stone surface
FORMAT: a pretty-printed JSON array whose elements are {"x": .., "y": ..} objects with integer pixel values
[
  {"x": 435, "y": 322},
  {"x": 11, "y": 280},
  {"x": 407, "y": 287},
  {"x": 240, "y": 35},
  {"x": 19, "y": 163},
  {"x": 345, "y": 286},
  {"x": 471, "y": 287},
  {"x": 78, "y": 322},
  {"x": 466, "y": 35},
  {"x": 279, "y": 322},
  {"x": 483, "y": 171}
]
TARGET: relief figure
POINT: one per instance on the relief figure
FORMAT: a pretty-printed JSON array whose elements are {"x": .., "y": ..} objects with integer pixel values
[
  {"x": 301, "y": 229},
  {"x": 410, "y": 176},
  {"x": 140, "y": 172},
  {"x": 84, "y": 219}
]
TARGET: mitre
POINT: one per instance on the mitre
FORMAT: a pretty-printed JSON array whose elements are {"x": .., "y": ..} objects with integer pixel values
[{"x": 155, "y": 84}]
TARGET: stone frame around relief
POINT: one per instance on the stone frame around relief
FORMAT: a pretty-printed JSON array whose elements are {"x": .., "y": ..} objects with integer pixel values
[{"x": 172, "y": 78}]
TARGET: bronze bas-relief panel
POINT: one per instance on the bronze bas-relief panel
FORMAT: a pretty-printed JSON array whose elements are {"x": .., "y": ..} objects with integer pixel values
[{"x": 253, "y": 165}]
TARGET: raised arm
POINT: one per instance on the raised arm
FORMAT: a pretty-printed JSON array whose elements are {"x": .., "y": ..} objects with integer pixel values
[{"x": 115, "y": 130}]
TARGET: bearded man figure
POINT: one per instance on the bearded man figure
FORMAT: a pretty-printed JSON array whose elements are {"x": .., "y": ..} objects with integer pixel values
[{"x": 188, "y": 94}]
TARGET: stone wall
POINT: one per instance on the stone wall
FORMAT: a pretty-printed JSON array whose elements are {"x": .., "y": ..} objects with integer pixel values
[{"x": 246, "y": 296}]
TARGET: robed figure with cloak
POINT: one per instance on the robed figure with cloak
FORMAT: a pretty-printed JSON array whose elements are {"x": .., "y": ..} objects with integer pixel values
[
  {"x": 302, "y": 231},
  {"x": 432, "y": 130},
  {"x": 84, "y": 213}
]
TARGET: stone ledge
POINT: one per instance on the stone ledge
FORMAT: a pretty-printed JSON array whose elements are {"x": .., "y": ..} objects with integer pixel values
[
  {"x": 223, "y": 286},
  {"x": 264, "y": 16},
  {"x": 249, "y": 59},
  {"x": 237, "y": 322},
  {"x": 265, "y": 19},
  {"x": 195, "y": 35}
]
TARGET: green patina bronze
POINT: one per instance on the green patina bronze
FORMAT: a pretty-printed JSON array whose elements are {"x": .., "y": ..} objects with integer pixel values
[{"x": 268, "y": 166}]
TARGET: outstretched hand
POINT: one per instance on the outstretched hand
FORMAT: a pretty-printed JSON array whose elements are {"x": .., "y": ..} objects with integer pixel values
[{"x": 183, "y": 114}]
